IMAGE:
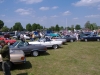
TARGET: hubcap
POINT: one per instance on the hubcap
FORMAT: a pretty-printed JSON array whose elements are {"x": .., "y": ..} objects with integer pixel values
[
  {"x": 35, "y": 53},
  {"x": 98, "y": 40},
  {"x": 55, "y": 46}
]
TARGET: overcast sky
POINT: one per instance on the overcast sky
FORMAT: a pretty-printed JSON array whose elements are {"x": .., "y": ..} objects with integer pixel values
[{"x": 50, "y": 12}]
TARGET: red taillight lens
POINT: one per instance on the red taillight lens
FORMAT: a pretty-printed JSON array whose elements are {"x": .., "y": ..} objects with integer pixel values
[{"x": 22, "y": 58}]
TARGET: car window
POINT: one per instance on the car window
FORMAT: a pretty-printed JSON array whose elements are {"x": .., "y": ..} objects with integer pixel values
[
  {"x": 15, "y": 44},
  {"x": 26, "y": 44},
  {"x": 21, "y": 44}
]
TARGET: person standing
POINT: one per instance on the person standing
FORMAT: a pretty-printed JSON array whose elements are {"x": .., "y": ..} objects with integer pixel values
[{"x": 5, "y": 54}]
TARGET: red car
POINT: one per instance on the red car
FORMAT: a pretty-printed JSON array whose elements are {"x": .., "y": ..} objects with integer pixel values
[{"x": 8, "y": 41}]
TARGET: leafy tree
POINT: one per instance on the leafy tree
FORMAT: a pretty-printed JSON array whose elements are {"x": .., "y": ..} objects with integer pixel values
[
  {"x": 95, "y": 25},
  {"x": 68, "y": 28},
  {"x": 72, "y": 27},
  {"x": 18, "y": 26},
  {"x": 52, "y": 28},
  {"x": 87, "y": 24},
  {"x": 34, "y": 26},
  {"x": 11, "y": 29},
  {"x": 29, "y": 27},
  {"x": 61, "y": 28},
  {"x": 77, "y": 27},
  {"x": 5, "y": 29},
  {"x": 57, "y": 28},
  {"x": 1, "y": 24}
]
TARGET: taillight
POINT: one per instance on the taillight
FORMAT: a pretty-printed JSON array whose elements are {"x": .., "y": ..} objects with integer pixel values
[{"x": 22, "y": 58}]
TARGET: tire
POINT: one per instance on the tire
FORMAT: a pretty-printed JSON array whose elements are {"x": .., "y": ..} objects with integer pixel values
[
  {"x": 71, "y": 40},
  {"x": 98, "y": 39},
  {"x": 85, "y": 40},
  {"x": 55, "y": 46},
  {"x": 35, "y": 53}
]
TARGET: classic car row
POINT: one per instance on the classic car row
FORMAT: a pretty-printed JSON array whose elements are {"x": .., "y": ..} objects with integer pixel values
[{"x": 18, "y": 49}]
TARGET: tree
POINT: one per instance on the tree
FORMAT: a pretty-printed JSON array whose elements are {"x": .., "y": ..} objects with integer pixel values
[
  {"x": 95, "y": 25},
  {"x": 1, "y": 24},
  {"x": 57, "y": 28},
  {"x": 61, "y": 28},
  {"x": 52, "y": 28},
  {"x": 5, "y": 29},
  {"x": 34, "y": 26},
  {"x": 87, "y": 25},
  {"x": 68, "y": 28},
  {"x": 72, "y": 27},
  {"x": 77, "y": 27},
  {"x": 18, "y": 26},
  {"x": 11, "y": 29},
  {"x": 29, "y": 27}
]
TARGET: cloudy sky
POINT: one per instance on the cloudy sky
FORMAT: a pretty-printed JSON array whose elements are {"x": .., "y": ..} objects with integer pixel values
[{"x": 50, "y": 12}]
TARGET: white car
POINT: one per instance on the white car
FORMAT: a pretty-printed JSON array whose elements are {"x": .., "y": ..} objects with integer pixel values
[
  {"x": 25, "y": 37},
  {"x": 48, "y": 43}
]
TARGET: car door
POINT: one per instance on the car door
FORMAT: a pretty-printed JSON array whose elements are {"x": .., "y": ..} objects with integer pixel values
[
  {"x": 46, "y": 43},
  {"x": 24, "y": 47}
]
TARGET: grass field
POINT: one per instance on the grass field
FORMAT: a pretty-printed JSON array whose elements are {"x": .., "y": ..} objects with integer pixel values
[{"x": 78, "y": 58}]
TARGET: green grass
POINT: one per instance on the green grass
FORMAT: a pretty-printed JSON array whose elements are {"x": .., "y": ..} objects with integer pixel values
[{"x": 78, "y": 58}]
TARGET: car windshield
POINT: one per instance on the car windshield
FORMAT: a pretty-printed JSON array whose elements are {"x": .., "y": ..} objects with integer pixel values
[{"x": 15, "y": 44}]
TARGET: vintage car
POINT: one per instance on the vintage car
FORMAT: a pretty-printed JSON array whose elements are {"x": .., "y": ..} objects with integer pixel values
[
  {"x": 16, "y": 57},
  {"x": 48, "y": 43},
  {"x": 25, "y": 37},
  {"x": 58, "y": 38},
  {"x": 27, "y": 48},
  {"x": 70, "y": 38},
  {"x": 8, "y": 41},
  {"x": 93, "y": 37}
]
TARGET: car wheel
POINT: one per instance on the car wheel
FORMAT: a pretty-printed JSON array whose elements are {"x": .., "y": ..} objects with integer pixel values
[
  {"x": 71, "y": 40},
  {"x": 35, "y": 53},
  {"x": 98, "y": 39},
  {"x": 55, "y": 46},
  {"x": 85, "y": 40}
]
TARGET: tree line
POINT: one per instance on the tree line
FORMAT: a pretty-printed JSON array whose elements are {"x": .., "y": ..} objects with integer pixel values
[{"x": 33, "y": 27}]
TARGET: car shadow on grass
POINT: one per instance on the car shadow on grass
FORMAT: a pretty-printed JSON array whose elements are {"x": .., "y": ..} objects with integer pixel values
[
  {"x": 22, "y": 74},
  {"x": 26, "y": 65},
  {"x": 44, "y": 54}
]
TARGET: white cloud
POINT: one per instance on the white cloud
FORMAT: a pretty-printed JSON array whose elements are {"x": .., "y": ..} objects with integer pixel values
[
  {"x": 54, "y": 16},
  {"x": 24, "y": 11},
  {"x": 93, "y": 16},
  {"x": 98, "y": 7},
  {"x": 86, "y": 2},
  {"x": 67, "y": 13},
  {"x": 31, "y": 1},
  {"x": 1, "y": 1},
  {"x": 44, "y": 8},
  {"x": 55, "y": 7},
  {"x": 75, "y": 18},
  {"x": 3, "y": 15},
  {"x": 42, "y": 18},
  {"x": 8, "y": 21}
]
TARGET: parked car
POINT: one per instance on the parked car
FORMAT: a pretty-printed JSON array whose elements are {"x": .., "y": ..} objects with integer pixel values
[
  {"x": 12, "y": 34},
  {"x": 58, "y": 38},
  {"x": 8, "y": 41},
  {"x": 48, "y": 43},
  {"x": 25, "y": 37},
  {"x": 34, "y": 50},
  {"x": 16, "y": 57},
  {"x": 70, "y": 38},
  {"x": 90, "y": 38}
]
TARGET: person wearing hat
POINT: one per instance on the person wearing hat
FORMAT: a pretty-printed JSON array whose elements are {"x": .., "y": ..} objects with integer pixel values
[{"x": 5, "y": 54}]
